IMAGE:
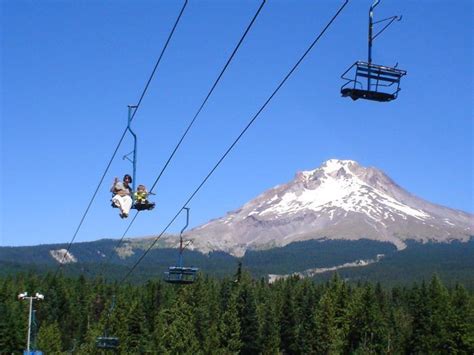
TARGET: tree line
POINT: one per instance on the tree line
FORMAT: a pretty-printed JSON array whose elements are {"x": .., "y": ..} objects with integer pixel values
[{"x": 238, "y": 315}]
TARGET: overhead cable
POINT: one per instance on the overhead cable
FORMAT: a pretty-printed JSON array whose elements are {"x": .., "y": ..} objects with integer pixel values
[
  {"x": 229, "y": 60},
  {"x": 236, "y": 140},
  {"x": 120, "y": 140}
]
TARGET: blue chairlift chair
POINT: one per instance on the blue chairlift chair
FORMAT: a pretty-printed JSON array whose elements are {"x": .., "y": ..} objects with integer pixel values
[
  {"x": 107, "y": 343},
  {"x": 370, "y": 81},
  {"x": 139, "y": 206},
  {"x": 383, "y": 83},
  {"x": 181, "y": 274}
]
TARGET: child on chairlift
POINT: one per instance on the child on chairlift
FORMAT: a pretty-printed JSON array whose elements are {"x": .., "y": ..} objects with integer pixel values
[{"x": 141, "y": 195}]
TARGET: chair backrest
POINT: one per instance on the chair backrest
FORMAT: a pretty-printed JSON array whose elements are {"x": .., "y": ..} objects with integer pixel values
[
  {"x": 379, "y": 73},
  {"x": 107, "y": 342},
  {"x": 183, "y": 275}
]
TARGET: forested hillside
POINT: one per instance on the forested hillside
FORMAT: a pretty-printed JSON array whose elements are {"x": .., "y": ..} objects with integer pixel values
[
  {"x": 239, "y": 315},
  {"x": 452, "y": 262}
]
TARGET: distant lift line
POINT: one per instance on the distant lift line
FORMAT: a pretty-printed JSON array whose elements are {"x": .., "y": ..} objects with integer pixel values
[{"x": 383, "y": 83}]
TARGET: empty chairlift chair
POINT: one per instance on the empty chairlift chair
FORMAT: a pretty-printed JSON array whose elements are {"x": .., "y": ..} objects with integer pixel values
[
  {"x": 381, "y": 83},
  {"x": 365, "y": 80},
  {"x": 107, "y": 343},
  {"x": 181, "y": 274}
]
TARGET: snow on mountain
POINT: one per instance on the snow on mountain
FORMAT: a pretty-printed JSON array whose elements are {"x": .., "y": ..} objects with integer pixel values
[{"x": 339, "y": 200}]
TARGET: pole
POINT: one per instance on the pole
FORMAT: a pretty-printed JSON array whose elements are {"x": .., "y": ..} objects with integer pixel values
[
  {"x": 29, "y": 325},
  {"x": 371, "y": 25},
  {"x": 24, "y": 296},
  {"x": 181, "y": 237},
  {"x": 134, "y": 161}
]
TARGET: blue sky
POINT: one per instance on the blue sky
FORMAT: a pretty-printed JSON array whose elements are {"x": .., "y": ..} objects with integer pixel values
[{"x": 70, "y": 68}]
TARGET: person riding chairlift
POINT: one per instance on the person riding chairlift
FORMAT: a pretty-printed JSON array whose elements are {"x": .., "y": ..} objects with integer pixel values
[
  {"x": 141, "y": 195},
  {"x": 122, "y": 195}
]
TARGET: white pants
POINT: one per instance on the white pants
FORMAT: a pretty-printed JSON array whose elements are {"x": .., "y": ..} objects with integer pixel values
[{"x": 123, "y": 202}]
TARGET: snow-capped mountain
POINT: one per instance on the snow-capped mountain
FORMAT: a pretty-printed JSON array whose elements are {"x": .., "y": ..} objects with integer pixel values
[{"x": 339, "y": 200}]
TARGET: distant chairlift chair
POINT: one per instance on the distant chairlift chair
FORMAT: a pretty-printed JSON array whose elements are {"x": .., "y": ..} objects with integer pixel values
[
  {"x": 382, "y": 82},
  {"x": 107, "y": 343},
  {"x": 181, "y": 274}
]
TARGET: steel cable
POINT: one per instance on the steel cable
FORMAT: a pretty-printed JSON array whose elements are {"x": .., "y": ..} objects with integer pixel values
[
  {"x": 236, "y": 140},
  {"x": 61, "y": 263},
  {"x": 191, "y": 123}
]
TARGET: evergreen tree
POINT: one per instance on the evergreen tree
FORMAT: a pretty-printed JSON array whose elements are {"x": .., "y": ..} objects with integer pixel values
[
  {"x": 368, "y": 328},
  {"x": 88, "y": 344},
  {"x": 12, "y": 333},
  {"x": 229, "y": 328},
  {"x": 304, "y": 312},
  {"x": 432, "y": 315},
  {"x": 49, "y": 338},
  {"x": 341, "y": 293},
  {"x": 328, "y": 335},
  {"x": 441, "y": 315},
  {"x": 289, "y": 321},
  {"x": 137, "y": 334},
  {"x": 249, "y": 323},
  {"x": 421, "y": 340},
  {"x": 399, "y": 330},
  {"x": 206, "y": 313},
  {"x": 174, "y": 331},
  {"x": 461, "y": 326},
  {"x": 270, "y": 330}
]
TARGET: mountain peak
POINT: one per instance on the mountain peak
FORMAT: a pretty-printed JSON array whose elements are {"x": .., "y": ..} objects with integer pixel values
[
  {"x": 333, "y": 165},
  {"x": 339, "y": 200},
  {"x": 330, "y": 167}
]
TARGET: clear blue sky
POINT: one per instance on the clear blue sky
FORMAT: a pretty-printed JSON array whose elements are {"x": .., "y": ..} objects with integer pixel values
[{"x": 70, "y": 68}]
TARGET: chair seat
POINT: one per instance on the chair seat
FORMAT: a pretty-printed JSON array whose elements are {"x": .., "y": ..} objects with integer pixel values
[
  {"x": 355, "y": 94},
  {"x": 107, "y": 343},
  {"x": 181, "y": 275},
  {"x": 144, "y": 206},
  {"x": 140, "y": 206}
]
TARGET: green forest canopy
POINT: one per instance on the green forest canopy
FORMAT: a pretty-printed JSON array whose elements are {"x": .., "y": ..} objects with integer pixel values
[{"x": 239, "y": 315}]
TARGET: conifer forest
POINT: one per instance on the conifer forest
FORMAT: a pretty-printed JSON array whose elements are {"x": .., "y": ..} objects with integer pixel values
[{"x": 237, "y": 315}]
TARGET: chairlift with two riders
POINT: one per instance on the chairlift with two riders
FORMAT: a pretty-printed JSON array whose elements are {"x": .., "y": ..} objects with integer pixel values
[{"x": 136, "y": 205}]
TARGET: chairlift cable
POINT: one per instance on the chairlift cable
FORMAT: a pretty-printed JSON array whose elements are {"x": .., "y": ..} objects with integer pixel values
[
  {"x": 208, "y": 95},
  {"x": 159, "y": 59},
  {"x": 191, "y": 123},
  {"x": 236, "y": 140},
  {"x": 121, "y": 139}
]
